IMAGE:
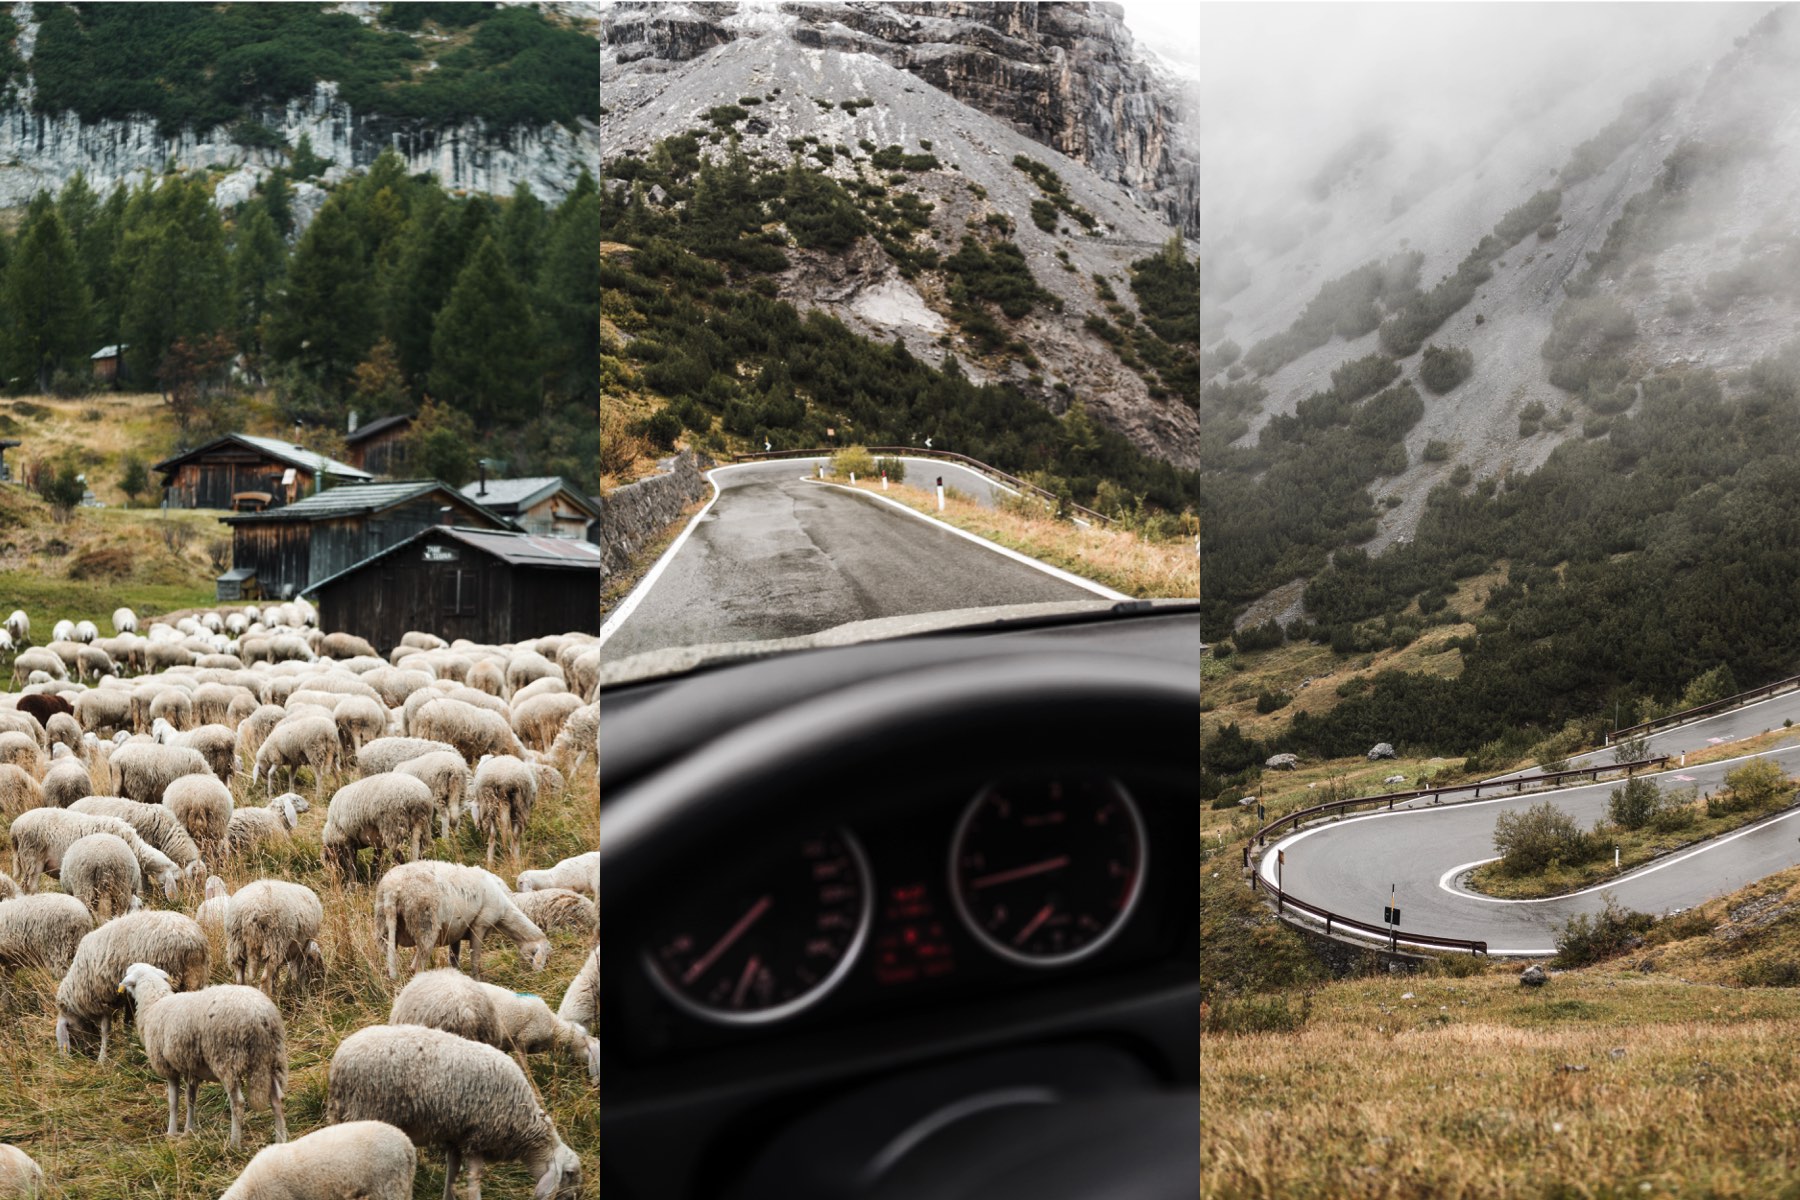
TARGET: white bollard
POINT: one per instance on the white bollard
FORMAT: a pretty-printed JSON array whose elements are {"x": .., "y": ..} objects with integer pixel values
[
  {"x": 940, "y": 491},
  {"x": 853, "y": 478},
  {"x": 884, "y": 481},
  {"x": 821, "y": 470}
]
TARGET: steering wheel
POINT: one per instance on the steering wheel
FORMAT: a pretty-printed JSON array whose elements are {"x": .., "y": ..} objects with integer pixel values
[{"x": 974, "y": 718}]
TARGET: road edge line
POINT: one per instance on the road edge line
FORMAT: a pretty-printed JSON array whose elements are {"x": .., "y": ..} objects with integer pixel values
[
  {"x": 629, "y": 605},
  {"x": 1099, "y": 589}
]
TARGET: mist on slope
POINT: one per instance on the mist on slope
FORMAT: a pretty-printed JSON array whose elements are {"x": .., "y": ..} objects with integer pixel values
[{"x": 1316, "y": 118}]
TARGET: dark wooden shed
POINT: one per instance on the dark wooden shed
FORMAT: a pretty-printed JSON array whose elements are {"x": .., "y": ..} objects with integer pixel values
[
  {"x": 239, "y": 471},
  {"x": 286, "y": 549},
  {"x": 376, "y": 447},
  {"x": 457, "y": 582},
  {"x": 546, "y": 504}
]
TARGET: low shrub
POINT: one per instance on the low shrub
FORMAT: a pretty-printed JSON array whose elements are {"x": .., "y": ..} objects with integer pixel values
[
  {"x": 853, "y": 460},
  {"x": 1531, "y": 840},
  {"x": 1586, "y": 938}
]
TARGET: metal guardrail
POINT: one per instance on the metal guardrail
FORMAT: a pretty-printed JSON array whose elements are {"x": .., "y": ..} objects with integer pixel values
[
  {"x": 1701, "y": 710},
  {"x": 1012, "y": 481},
  {"x": 1392, "y": 936},
  {"x": 1390, "y": 798}
]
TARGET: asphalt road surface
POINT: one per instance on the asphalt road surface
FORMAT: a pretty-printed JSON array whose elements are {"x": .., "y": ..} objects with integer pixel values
[
  {"x": 1348, "y": 866},
  {"x": 777, "y": 556}
]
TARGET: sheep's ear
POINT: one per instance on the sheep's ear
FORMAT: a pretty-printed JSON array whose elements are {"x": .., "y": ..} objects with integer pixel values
[{"x": 548, "y": 1185}]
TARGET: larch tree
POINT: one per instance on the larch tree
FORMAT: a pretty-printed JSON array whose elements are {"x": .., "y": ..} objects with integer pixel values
[
  {"x": 484, "y": 353},
  {"x": 46, "y": 301}
]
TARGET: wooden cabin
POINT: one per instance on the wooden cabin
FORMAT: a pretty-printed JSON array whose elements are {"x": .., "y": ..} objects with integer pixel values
[
  {"x": 458, "y": 582},
  {"x": 238, "y": 472},
  {"x": 107, "y": 360},
  {"x": 378, "y": 446},
  {"x": 548, "y": 505},
  {"x": 279, "y": 553}
]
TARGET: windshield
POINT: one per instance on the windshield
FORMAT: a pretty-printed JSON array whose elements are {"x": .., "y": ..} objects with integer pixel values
[{"x": 850, "y": 377}]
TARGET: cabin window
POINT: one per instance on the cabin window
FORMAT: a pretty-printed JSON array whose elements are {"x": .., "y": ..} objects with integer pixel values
[{"x": 460, "y": 591}]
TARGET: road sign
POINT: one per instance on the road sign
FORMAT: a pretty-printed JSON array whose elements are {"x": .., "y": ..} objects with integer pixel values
[
  {"x": 1280, "y": 857},
  {"x": 1390, "y": 916}
]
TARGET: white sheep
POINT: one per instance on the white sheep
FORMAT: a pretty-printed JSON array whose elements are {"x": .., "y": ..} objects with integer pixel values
[
  {"x": 487, "y": 675},
  {"x": 66, "y": 782},
  {"x": 124, "y": 621},
  {"x": 42, "y": 931},
  {"x": 103, "y": 708},
  {"x": 518, "y": 1021},
  {"x": 473, "y": 731},
  {"x": 210, "y": 915},
  {"x": 228, "y": 1034},
  {"x": 89, "y": 992},
  {"x": 254, "y": 727},
  {"x": 86, "y": 631},
  {"x": 63, "y": 631},
  {"x": 505, "y": 792},
  {"x": 23, "y": 751},
  {"x": 217, "y": 744},
  {"x": 270, "y": 925},
  {"x": 386, "y": 754},
  {"x": 20, "y": 1176},
  {"x": 252, "y": 827},
  {"x": 559, "y": 908},
  {"x": 144, "y": 770},
  {"x": 19, "y": 791},
  {"x": 581, "y": 1002},
  {"x": 19, "y": 625},
  {"x": 155, "y": 824},
  {"x": 359, "y": 719},
  {"x": 203, "y": 806},
  {"x": 299, "y": 741},
  {"x": 389, "y": 812},
  {"x": 357, "y": 1160},
  {"x": 480, "y": 1106},
  {"x": 538, "y": 719},
  {"x": 580, "y": 873},
  {"x": 173, "y": 706},
  {"x": 449, "y": 778},
  {"x": 42, "y": 836},
  {"x": 101, "y": 871},
  {"x": 429, "y": 904},
  {"x": 62, "y": 730}
]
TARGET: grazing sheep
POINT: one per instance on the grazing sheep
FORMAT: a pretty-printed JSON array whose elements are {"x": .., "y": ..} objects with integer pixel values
[
  {"x": 547, "y": 686},
  {"x": 19, "y": 625},
  {"x": 581, "y": 1003},
  {"x": 579, "y": 874},
  {"x": 92, "y": 662},
  {"x": 22, "y": 751},
  {"x": 474, "y": 731},
  {"x": 101, "y": 871},
  {"x": 386, "y": 754},
  {"x": 38, "y": 658},
  {"x": 211, "y": 913},
  {"x": 20, "y": 1177},
  {"x": 359, "y": 719},
  {"x": 424, "y": 641},
  {"x": 394, "y": 684},
  {"x": 62, "y": 730},
  {"x": 346, "y": 645},
  {"x": 230, "y": 1034},
  {"x": 103, "y": 709},
  {"x": 449, "y": 778},
  {"x": 63, "y": 631},
  {"x": 42, "y": 836},
  {"x": 85, "y": 631},
  {"x": 217, "y": 743},
  {"x": 174, "y": 706},
  {"x": 390, "y": 812},
  {"x": 161, "y": 655},
  {"x": 9, "y": 887},
  {"x": 155, "y": 824},
  {"x": 430, "y": 903},
  {"x": 299, "y": 741},
  {"x": 18, "y": 790},
  {"x": 42, "y": 931},
  {"x": 538, "y": 719},
  {"x": 144, "y": 770},
  {"x": 255, "y": 726},
  {"x": 487, "y": 676},
  {"x": 44, "y": 705},
  {"x": 559, "y": 908},
  {"x": 89, "y": 992},
  {"x": 203, "y": 806},
  {"x": 251, "y": 827},
  {"x": 124, "y": 621},
  {"x": 358, "y": 1160},
  {"x": 550, "y": 781},
  {"x": 480, "y": 1107},
  {"x": 505, "y": 792},
  {"x": 272, "y": 924},
  {"x": 447, "y": 999},
  {"x": 526, "y": 666}
]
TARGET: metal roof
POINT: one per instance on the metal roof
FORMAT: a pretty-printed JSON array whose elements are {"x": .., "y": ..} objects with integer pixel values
[
  {"x": 515, "y": 549},
  {"x": 110, "y": 351},
  {"x": 376, "y": 426},
  {"x": 347, "y": 499},
  {"x": 512, "y": 495},
  {"x": 288, "y": 452}
]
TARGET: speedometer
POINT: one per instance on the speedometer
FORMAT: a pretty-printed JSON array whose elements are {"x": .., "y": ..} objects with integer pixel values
[
  {"x": 775, "y": 943},
  {"x": 1045, "y": 872}
]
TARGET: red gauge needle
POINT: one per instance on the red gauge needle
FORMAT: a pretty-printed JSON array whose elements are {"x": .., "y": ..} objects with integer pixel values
[
  {"x": 1026, "y": 872},
  {"x": 1031, "y": 927},
  {"x": 705, "y": 961},
  {"x": 737, "y": 997}
]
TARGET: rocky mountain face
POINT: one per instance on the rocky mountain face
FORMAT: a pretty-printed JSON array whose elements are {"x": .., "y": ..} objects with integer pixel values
[
  {"x": 39, "y": 151},
  {"x": 1673, "y": 217},
  {"x": 1067, "y": 75},
  {"x": 817, "y": 83}
]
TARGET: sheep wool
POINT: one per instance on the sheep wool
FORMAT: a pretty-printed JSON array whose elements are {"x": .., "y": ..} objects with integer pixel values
[
  {"x": 20, "y": 1176},
  {"x": 481, "y": 1107},
  {"x": 18, "y": 790},
  {"x": 229, "y": 1034},
  {"x": 270, "y": 925},
  {"x": 559, "y": 908},
  {"x": 357, "y": 1160},
  {"x": 144, "y": 770},
  {"x": 154, "y": 823},
  {"x": 211, "y": 913},
  {"x": 299, "y": 741},
  {"x": 203, "y": 806},
  {"x": 449, "y": 778},
  {"x": 447, "y": 999},
  {"x": 386, "y": 754},
  {"x": 42, "y": 931},
  {"x": 505, "y": 793},
  {"x": 581, "y": 873},
  {"x": 390, "y": 812},
  {"x": 89, "y": 992},
  {"x": 42, "y": 836},
  {"x": 581, "y": 1003},
  {"x": 472, "y": 730},
  {"x": 430, "y": 903},
  {"x": 66, "y": 782},
  {"x": 252, "y": 827},
  {"x": 101, "y": 871}
]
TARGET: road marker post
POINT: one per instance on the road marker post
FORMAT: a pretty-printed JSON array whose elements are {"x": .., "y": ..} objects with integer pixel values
[
  {"x": 940, "y": 492},
  {"x": 853, "y": 479},
  {"x": 1390, "y": 916},
  {"x": 884, "y": 481},
  {"x": 1280, "y": 858},
  {"x": 821, "y": 470}
]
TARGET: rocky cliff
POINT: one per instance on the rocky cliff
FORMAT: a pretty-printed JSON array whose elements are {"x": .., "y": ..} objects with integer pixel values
[{"x": 1067, "y": 75}]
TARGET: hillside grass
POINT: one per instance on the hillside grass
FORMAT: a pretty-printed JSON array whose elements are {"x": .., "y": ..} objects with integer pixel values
[
  {"x": 1118, "y": 558},
  {"x": 96, "y": 1129}
]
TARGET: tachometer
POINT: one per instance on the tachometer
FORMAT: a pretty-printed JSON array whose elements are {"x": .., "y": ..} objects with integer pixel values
[
  {"x": 765, "y": 950},
  {"x": 1045, "y": 872}
]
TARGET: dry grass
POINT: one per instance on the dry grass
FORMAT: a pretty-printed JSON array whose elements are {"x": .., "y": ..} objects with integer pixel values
[
  {"x": 1120, "y": 559},
  {"x": 97, "y": 1129}
]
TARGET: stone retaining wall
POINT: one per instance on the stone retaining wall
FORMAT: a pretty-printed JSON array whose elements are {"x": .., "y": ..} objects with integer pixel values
[{"x": 637, "y": 513}]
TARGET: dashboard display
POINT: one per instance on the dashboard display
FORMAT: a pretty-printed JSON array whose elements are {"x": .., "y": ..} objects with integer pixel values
[
  {"x": 1045, "y": 872},
  {"x": 778, "y": 944}
]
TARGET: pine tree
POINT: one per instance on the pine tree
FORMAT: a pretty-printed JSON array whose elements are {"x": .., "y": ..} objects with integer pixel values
[
  {"x": 569, "y": 298},
  {"x": 306, "y": 162},
  {"x": 258, "y": 265},
  {"x": 325, "y": 321},
  {"x": 483, "y": 353},
  {"x": 176, "y": 275},
  {"x": 522, "y": 232},
  {"x": 45, "y": 299},
  {"x": 278, "y": 196}
]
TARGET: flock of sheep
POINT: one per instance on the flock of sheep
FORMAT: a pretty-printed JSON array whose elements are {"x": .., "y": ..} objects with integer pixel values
[{"x": 118, "y": 759}]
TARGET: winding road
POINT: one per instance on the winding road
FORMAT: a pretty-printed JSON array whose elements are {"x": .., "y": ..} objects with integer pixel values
[
  {"x": 776, "y": 555},
  {"x": 1349, "y": 866}
]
